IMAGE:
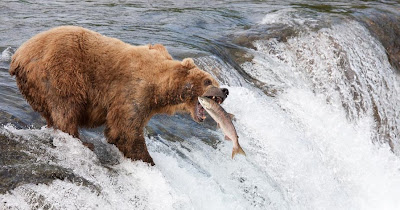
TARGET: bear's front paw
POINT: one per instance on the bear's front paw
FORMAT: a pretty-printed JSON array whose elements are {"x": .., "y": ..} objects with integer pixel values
[
  {"x": 149, "y": 160},
  {"x": 143, "y": 157}
]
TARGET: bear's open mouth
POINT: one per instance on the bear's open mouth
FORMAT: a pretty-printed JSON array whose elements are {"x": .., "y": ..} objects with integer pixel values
[{"x": 200, "y": 112}]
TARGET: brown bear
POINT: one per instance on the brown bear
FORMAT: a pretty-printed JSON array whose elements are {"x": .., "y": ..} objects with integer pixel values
[{"x": 75, "y": 77}]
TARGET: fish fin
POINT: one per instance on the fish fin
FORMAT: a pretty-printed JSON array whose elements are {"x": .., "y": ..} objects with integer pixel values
[
  {"x": 238, "y": 150},
  {"x": 227, "y": 138},
  {"x": 232, "y": 116}
]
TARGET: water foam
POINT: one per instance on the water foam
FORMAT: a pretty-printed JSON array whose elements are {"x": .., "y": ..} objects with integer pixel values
[
  {"x": 324, "y": 138},
  {"x": 349, "y": 67},
  {"x": 314, "y": 153},
  {"x": 126, "y": 185},
  {"x": 305, "y": 150},
  {"x": 6, "y": 54},
  {"x": 302, "y": 153}
]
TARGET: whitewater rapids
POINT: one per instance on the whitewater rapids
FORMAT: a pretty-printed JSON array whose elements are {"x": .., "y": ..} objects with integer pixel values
[{"x": 314, "y": 143}]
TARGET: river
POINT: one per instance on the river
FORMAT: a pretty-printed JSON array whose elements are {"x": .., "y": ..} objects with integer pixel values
[{"x": 314, "y": 87}]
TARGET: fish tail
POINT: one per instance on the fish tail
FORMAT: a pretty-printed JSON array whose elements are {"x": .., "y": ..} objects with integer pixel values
[{"x": 238, "y": 150}]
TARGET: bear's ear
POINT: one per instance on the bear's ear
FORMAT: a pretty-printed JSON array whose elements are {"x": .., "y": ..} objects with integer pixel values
[
  {"x": 188, "y": 63},
  {"x": 161, "y": 49}
]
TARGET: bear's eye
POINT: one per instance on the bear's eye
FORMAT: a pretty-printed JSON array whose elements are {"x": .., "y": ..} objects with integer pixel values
[{"x": 207, "y": 82}]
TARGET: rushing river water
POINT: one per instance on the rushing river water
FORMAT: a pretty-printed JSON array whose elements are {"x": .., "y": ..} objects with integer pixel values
[{"x": 314, "y": 86}]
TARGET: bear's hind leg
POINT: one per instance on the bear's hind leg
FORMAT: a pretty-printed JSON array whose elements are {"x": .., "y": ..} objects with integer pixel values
[
  {"x": 48, "y": 119},
  {"x": 66, "y": 121}
]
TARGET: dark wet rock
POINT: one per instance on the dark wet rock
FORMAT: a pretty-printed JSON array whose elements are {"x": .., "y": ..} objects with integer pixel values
[
  {"x": 238, "y": 48},
  {"x": 178, "y": 128},
  {"x": 12, "y": 177},
  {"x": 234, "y": 56},
  {"x": 263, "y": 32},
  {"x": 243, "y": 41},
  {"x": 19, "y": 165},
  {"x": 107, "y": 154},
  {"x": 385, "y": 27},
  {"x": 317, "y": 7},
  {"x": 330, "y": 7},
  {"x": 6, "y": 118}
]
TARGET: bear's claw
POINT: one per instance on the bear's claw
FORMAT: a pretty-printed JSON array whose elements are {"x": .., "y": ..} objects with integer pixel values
[{"x": 88, "y": 145}]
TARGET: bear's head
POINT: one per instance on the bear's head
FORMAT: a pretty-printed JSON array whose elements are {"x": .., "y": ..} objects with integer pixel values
[{"x": 200, "y": 83}]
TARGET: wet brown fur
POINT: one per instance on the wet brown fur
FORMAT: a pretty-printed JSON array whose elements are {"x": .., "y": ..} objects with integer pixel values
[{"x": 75, "y": 77}]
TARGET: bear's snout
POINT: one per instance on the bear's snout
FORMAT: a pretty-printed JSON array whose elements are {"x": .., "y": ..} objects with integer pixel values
[
  {"x": 218, "y": 94},
  {"x": 225, "y": 91}
]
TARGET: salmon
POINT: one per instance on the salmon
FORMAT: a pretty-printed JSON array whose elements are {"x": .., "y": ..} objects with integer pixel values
[{"x": 224, "y": 121}]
